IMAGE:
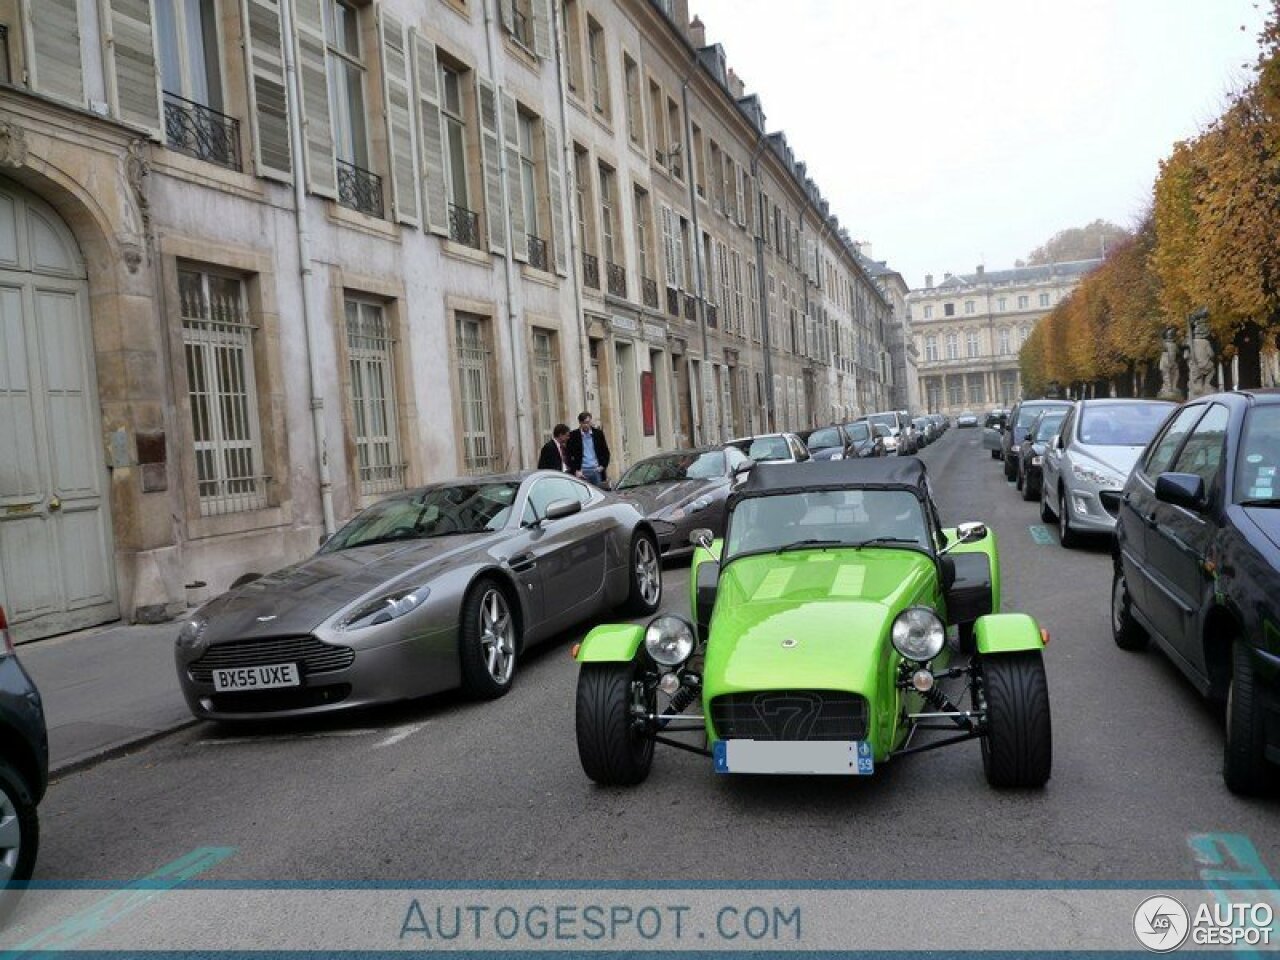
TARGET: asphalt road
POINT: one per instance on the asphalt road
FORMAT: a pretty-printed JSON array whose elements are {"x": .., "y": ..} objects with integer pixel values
[{"x": 451, "y": 790}]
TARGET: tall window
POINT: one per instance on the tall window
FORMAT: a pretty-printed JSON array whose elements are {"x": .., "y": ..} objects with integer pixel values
[
  {"x": 657, "y": 121},
  {"x": 546, "y": 383},
  {"x": 949, "y": 309},
  {"x": 955, "y": 392},
  {"x": 753, "y": 297},
  {"x": 529, "y": 176},
  {"x": 928, "y": 311},
  {"x": 346, "y": 82},
  {"x": 971, "y": 344},
  {"x": 738, "y": 320},
  {"x": 1004, "y": 339},
  {"x": 953, "y": 346},
  {"x": 969, "y": 306},
  {"x": 599, "y": 68},
  {"x": 640, "y": 200},
  {"x": 455, "y": 131},
  {"x": 479, "y": 453},
  {"x": 931, "y": 348},
  {"x": 1002, "y": 304},
  {"x": 608, "y": 214},
  {"x": 188, "y": 47},
  {"x": 217, "y": 338},
  {"x": 373, "y": 398},
  {"x": 1044, "y": 299},
  {"x": 582, "y": 186},
  {"x": 573, "y": 44},
  {"x": 522, "y": 21},
  {"x": 676, "y": 161},
  {"x": 635, "y": 112},
  {"x": 1022, "y": 303}
]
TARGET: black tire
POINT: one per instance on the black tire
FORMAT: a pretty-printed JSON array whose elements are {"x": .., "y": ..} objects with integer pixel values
[
  {"x": 1245, "y": 768},
  {"x": 486, "y": 674},
  {"x": 995, "y": 454},
  {"x": 1010, "y": 468},
  {"x": 1125, "y": 630},
  {"x": 17, "y": 802},
  {"x": 1066, "y": 536},
  {"x": 642, "y": 599},
  {"x": 1020, "y": 479},
  {"x": 1030, "y": 489},
  {"x": 1046, "y": 512},
  {"x": 612, "y": 750},
  {"x": 1017, "y": 750}
]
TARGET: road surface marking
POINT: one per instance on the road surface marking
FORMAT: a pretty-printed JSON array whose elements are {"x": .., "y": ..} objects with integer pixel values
[
  {"x": 1229, "y": 861},
  {"x": 1041, "y": 535},
  {"x": 404, "y": 733}
]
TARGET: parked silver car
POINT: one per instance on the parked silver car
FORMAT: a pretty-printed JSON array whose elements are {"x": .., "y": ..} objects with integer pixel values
[
  {"x": 436, "y": 588},
  {"x": 773, "y": 448},
  {"x": 1086, "y": 465}
]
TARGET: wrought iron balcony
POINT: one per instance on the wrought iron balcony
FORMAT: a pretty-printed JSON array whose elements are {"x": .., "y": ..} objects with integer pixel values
[
  {"x": 464, "y": 226},
  {"x": 713, "y": 315},
  {"x": 673, "y": 301},
  {"x": 359, "y": 189},
  {"x": 690, "y": 307},
  {"x": 617, "y": 277},
  {"x": 591, "y": 271},
  {"x": 649, "y": 291},
  {"x": 537, "y": 253},
  {"x": 200, "y": 132}
]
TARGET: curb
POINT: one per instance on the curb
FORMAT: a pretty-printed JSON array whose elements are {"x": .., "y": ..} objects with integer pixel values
[{"x": 98, "y": 755}]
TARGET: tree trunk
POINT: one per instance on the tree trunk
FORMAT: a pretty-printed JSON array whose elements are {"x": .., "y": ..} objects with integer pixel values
[{"x": 1248, "y": 341}]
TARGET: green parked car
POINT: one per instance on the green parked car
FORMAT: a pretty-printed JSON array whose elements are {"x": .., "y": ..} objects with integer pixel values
[{"x": 837, "y": 626}]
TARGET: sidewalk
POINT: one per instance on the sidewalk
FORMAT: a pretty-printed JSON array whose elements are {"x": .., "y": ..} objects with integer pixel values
[{"x": 105, "y": 689}]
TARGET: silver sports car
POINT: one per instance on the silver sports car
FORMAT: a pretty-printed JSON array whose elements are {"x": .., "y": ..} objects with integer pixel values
[{"x": 435, "y": 588}]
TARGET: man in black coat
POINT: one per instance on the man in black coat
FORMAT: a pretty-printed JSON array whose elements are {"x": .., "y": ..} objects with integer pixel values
[
  {"x": 553, "y": 455},
  {"x": 588, "y": 452}
]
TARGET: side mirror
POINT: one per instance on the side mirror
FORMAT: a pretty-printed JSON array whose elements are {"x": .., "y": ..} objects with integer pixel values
[
  {"x": 971, "y": 532},
  {"x": 559, "y": 509},
  {"x": 701, "y": 537},
  {"x": 745, "y": 467},
  {"x": 1182, "y": 490}
]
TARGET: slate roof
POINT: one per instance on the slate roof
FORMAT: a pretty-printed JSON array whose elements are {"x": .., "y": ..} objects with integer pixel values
[{"x": 1020, "y": 275}]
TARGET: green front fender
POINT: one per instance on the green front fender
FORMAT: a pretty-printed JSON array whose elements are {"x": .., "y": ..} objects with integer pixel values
[
  {"x": 1006, "y": 633},
  {"x": 611, "y": 643}
]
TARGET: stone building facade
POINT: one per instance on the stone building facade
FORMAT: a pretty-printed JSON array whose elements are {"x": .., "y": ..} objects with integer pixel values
[
  {"x": 263, "y": 262},
  {"x": 968, "y": 331},
  {"x": 903, "y": 384}
]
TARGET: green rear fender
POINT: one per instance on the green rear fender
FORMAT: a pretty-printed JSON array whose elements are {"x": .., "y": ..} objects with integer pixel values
[
  {"x": 1007, "y": 633},
  {"x": 611, "y": 643}
]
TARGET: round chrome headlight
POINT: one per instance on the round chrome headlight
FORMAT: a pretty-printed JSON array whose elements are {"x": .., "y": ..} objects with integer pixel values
[
  {"x": 191, "y": 638},
  {"x": 669, "y": 640},
  {"x": 918, "y": 634}
]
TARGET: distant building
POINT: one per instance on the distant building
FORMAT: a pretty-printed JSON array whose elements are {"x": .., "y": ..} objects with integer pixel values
[
  {"x": 902, "y": 382},
  {"x": 968, "y": 331}
]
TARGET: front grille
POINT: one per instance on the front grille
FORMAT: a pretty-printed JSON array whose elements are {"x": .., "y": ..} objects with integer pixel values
[
  {"x": 790, "y": 715},
  {"x": 272, "y": 701},
  {"x": 1110, "y": 501},
  {"x": 311, "y": 655}
]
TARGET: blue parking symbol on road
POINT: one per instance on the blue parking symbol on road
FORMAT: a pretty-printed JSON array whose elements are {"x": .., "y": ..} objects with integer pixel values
[{"x": 1041, "y": 535}]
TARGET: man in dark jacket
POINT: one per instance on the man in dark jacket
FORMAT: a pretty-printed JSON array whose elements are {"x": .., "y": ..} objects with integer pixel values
[
  {"x": 588, "y": 452},
  {"x": 553, "y": 455}
]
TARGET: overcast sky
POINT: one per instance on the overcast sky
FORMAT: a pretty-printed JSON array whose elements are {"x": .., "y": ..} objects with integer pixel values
[{"x": 950, "y": 133}]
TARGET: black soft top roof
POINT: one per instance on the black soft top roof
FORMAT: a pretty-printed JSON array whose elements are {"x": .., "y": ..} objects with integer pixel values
[{"x": 873, "y": 472}]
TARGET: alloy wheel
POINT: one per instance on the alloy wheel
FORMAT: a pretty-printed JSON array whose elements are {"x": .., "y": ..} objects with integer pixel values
[
  {"x": 497, "y": 636},
  {"x": 10, "y": 838},
  {"x": 1118, "y": 590},
  {"x": 648, "y": 571}
]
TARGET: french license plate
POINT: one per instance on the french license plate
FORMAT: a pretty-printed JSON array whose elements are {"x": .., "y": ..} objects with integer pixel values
[
  {"x": 844, "y": 757},
  {"x": 257, "y": 678}
]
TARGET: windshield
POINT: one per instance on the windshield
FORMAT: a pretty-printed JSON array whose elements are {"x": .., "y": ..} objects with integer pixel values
[
  {"x": 829, "y": 517},
  {"x": 1027, "y": 414},
  {"x": 1048, "y": 425},
  {"x": 1259, "y": 456},
  {"x": 438, "y": 512},
  {"x": 766, "y": 448},
  {"x": 674, "y": 468},
  {"x": 824, "y": 439},
  {"x": 1122, "y": 424},
  {"x": 890, "y": 420},
  {"x": 858, "y": 432}
]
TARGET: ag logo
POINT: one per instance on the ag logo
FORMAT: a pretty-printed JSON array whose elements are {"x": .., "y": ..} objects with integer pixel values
[{"x": 1161, "y": 924}]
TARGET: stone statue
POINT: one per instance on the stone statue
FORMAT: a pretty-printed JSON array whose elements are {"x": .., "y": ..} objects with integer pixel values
[
  {"x": 1170, "y": 372},
  {"x": 1200, "y": 359}
]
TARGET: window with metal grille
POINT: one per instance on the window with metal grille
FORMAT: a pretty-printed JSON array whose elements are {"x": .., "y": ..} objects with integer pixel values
[
  {"x": 370, "y": 353},
  {"x": 546, "y": 383},
  {"x": 218, "y": 345},
  {"x": 479, "y": 454},
  {"x": 346, "y": 82}
]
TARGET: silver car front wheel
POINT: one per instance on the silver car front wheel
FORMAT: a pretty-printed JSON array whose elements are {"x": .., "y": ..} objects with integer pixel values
[
  {"x": 19, "y": 836},
  {"x": 488, "y": 641},
  {"x": 646, "y": 576}
]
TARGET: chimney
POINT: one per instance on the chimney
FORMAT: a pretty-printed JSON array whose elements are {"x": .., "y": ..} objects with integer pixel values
[
  {"x": 736, "y": 87},
  {"x": 864, "y": 248},
  {"x": 982, "y": 271},
  {"x": 697, "y": 32},
  {"x": 928, "y": 281}
]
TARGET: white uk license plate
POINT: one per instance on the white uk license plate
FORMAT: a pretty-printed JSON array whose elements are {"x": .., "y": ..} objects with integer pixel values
[
  {"x": 269, "y": 677},
  {"x": 844, "y": 757}
]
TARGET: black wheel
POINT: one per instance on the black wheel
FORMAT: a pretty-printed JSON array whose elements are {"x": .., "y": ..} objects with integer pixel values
[
  {"x": 1030, "y": 488},
  {"x": 19, "y": 837},
  {"x": 995, "y": 454},
  {"x": 1010, "y": 468},
  {"x": 488, "y": 641},
  {"x": 1020, "y": 479},
  {"x": 1066, "y": 536},
  {"x": 1126, "y": 631},
  {"x": 1018, "y": 748},
  {"x": 1046, "y": 512},
  {"x": 613, "y": 748},
  {"x": 645, "y": 595},
  {"x": 1244, "y": 764}
]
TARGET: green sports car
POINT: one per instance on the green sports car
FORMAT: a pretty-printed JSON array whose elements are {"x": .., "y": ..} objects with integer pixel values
[{"x": 837, "y": 626}]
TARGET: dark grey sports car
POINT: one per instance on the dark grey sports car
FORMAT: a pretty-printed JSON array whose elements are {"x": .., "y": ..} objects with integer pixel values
[
  {"x": 439, "y": 587},
  {"x": 684, "y": 490}
]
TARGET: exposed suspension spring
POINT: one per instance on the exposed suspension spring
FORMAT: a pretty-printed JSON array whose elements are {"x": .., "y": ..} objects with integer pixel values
[{"x": 681, "y": 699}]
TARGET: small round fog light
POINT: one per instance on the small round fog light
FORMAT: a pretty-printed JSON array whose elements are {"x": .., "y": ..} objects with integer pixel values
[
  {"x": 669, "y": 683},
  {"x": 922, "y": 680}
]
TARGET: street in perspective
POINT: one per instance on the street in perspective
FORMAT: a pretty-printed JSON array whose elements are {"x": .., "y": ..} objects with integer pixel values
[{"x": 471, "y": 483}]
